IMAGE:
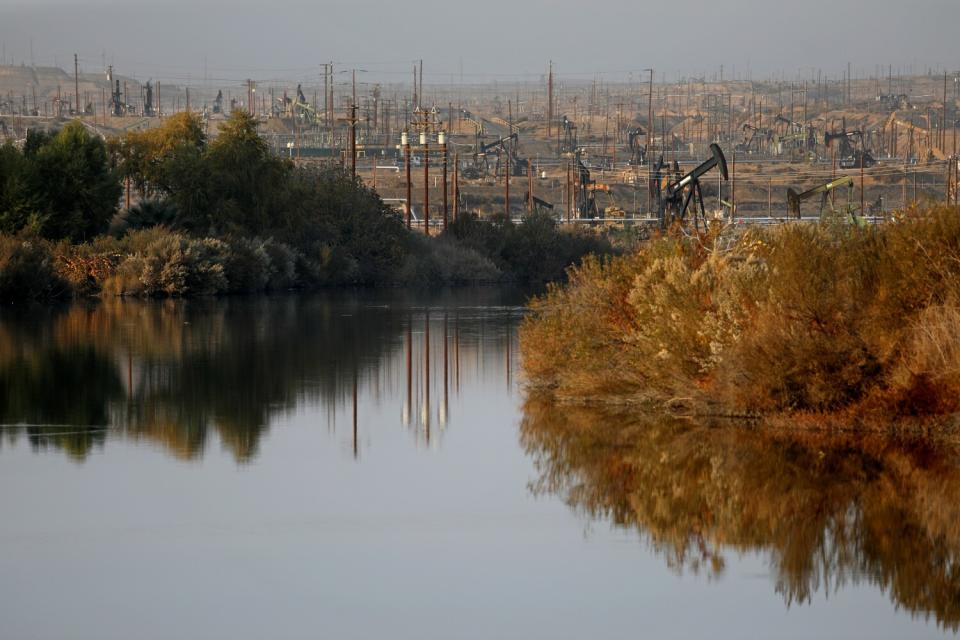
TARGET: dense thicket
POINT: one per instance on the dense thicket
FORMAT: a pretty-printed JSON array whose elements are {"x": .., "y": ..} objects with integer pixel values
[
  {"x": 58, "y": 186},
  {"x": 799, "y": 317},
  {"x": 225, "y": 215}
]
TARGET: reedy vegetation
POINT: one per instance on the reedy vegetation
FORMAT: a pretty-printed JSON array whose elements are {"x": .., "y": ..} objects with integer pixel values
[
  {"x": 224, "y": 216},
  {"x": 794, "y": 318}
]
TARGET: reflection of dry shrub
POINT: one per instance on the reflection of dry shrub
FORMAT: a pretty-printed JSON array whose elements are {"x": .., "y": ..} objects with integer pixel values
[
  {"x": 825, "y": 508},
  {"x": 798, "y": 317}
]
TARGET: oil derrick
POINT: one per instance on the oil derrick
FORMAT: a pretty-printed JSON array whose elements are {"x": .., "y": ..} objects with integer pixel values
[
  {"x": 569, "y": 144},
  {"x": 117, "y": 101},
  {"x": 148, "y": 100},
  {"x": 115, "y": 98}
]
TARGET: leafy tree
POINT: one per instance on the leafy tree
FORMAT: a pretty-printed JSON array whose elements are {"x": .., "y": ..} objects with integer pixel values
[{"x": 60, "y": 186}]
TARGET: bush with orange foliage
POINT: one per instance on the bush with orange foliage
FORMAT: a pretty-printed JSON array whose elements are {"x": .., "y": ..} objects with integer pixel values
[{"x": 793, "y": 318}]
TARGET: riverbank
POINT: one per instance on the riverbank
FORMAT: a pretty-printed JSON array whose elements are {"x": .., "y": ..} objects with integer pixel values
[
  {"x": 159, "y": 262},
  {"x": 799, "y": 319},
  {"x": 219, "y": 216}
]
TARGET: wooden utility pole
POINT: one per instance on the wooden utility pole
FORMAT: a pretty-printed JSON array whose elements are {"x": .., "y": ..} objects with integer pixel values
[
  {"x": 405, "y": 142},
  {"x": 550, "y": 102},
  {"x": 506, "y": 188},
  {"x": 353, "y": 141},
  {"x": 443, "y": 154},
  {"x": 529, "y": 187},
  {"x": 426, "y": 184},
  {"x": 456, "y": 186},
  {"x": 76, "y": 85},
  {"x": 650, "y": 160}
]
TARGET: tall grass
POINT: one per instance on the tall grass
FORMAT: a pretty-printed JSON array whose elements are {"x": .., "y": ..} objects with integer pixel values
[{"x": 797, "y": 317}]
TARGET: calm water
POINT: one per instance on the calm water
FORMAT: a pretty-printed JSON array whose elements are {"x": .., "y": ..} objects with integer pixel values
[{"x": 367, "y": 466}]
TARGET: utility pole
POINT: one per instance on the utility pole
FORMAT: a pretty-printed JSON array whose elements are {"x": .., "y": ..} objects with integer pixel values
[
  {"x": 405, "y": 143},
  {"x": 353, "y": 141},
  {"x": 529, "y": 187},
  {"x": 443, "y": 153},
  {"x": 425, "y": 141},
  {"x": 76, "y": 84},
  {"x": 650, "y": 160},
  {"x": 456, "y": 186},
  {"x": 506, "y": 187},
  {"x": 550, "y": 102}
]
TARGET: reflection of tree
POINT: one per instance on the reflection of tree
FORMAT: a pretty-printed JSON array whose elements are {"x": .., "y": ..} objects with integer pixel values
[
  {"x": 829, "y": 509},
  {"x": 60, "y": 394},
  {"x": 173, "y": 372}
]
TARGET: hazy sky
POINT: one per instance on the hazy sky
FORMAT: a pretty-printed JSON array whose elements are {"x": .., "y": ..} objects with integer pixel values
[{"x": 503, "y": 38}]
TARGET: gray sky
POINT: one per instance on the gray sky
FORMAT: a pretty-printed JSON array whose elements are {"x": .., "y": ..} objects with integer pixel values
[{"x": 507, "y": 39}]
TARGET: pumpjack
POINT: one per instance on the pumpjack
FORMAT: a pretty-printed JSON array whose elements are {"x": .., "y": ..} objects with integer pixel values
[
  {"x": 794, "y": 198},
  {"x": 518, "y": 165},
  {"x": 218, "y": 103},
  {"x": 754, "y": 141},
  {"x": 301, "y": 107},
  {"x": 540, "y": 205},
  {"x": 850, "y": 156},
  {"x": 799, "y": 132},
  {"x": 673, "y": 198},
  {"x": 586, "y": 191},
  {"x": 638, "y": 151}
]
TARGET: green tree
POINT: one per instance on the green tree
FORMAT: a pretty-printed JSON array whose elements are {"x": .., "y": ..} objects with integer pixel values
[{"x": 65, "y": 187}]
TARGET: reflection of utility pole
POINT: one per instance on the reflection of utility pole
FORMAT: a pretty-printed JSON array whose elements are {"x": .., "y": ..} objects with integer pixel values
[
  {"x": 446, "y": 376},
  {"x": 426, "y": 375},
  {"x": 355, "y": 448},
  {"x": 408, "y": 406}
]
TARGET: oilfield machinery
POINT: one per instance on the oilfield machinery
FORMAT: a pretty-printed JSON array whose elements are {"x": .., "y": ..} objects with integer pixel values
[
  {"x": 506, "y": 146},
  {"x": 756, "y": 140},
  {"x": 795, "y": 198},
  {"x": 849, "y": 156},
  {"x": 673, "y": 197},
  {"x": 569, "y": 143},
  {"x": 638, "y": 152},
  {"x": 797, "y": 135},
  {"x": 587, "y": 189}
]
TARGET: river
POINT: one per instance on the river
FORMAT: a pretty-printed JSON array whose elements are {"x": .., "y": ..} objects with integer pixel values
[{"x": 367, "y": 465}]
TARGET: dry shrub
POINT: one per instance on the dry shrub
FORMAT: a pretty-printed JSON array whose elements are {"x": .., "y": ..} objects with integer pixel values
[
  {"x": 926, "y": 378},
  {"x": 797, "y": 317},
  {"x": 170, "y": 264},
  {"x": 27, "y": 271}
]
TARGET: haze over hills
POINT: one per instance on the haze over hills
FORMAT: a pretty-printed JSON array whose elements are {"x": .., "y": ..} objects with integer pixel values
[{"x": 181, "y": 42}]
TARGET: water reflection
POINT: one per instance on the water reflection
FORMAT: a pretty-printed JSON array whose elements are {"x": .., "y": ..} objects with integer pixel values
[
  {"x": 174, "y": 372},
  {"x": 828, "y": 509}
]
